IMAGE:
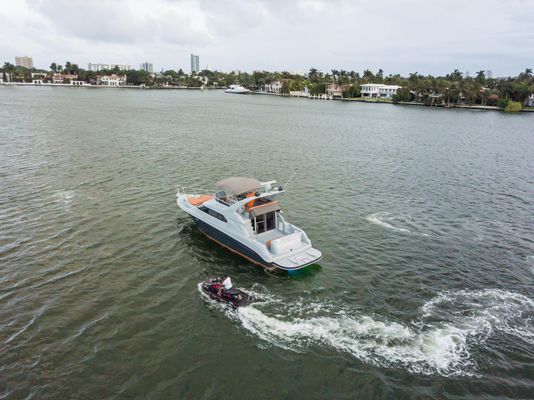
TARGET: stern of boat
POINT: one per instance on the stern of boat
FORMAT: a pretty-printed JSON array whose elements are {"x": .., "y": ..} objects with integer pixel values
[{"x": 299, "y": 260}]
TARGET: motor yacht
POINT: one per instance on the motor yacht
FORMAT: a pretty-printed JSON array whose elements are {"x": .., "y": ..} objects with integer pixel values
[
  {"x": 244, "y": 216},
  {"x": 237, "y": 89}
]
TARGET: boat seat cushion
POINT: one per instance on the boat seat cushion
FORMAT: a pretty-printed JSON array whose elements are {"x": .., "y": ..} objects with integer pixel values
[
  {"x": 269, "y": 242},
  {"x": 199, "y": 200}
]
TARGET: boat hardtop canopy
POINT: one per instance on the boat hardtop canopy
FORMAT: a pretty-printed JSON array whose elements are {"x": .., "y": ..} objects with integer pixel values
[
  {"x": 265, "y": 208},
  {"x": 239, "y": 185}
]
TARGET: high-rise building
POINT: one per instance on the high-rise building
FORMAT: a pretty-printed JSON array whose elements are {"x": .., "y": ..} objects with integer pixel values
[
  {"x": 146, "y": 66},
  {"x": 489, "y": 74},
  {"x": 99, "y": 67},
  {"x": 195, "y": 63},
  {"x": 24, "y": 61}
]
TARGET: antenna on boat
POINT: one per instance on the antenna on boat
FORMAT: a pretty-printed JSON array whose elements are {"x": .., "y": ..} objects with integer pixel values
[{"x": 289, "y": 180}]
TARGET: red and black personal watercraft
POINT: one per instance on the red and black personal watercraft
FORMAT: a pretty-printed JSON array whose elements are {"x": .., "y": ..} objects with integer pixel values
[{"x": 214, "y": 288}]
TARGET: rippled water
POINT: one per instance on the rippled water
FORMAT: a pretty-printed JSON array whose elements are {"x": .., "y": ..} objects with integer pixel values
[{"x": 424, "y": 217}]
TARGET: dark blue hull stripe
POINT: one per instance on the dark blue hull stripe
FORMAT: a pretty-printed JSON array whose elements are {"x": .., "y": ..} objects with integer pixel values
[{"x": 231, "y": 243}]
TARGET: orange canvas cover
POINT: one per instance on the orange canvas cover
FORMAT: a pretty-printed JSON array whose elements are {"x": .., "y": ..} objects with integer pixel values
[
  {"x": 198, "y": 200},
  {"x": 250, "y": 203}
]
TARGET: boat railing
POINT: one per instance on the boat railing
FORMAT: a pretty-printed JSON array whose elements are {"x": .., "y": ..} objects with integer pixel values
[
  {"x": 226, "y": 202},
  {"x": 185, "y": 190},
  {"x": 194, "y": 191}
]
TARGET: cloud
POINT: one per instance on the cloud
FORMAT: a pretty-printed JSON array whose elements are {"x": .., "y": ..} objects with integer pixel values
[
  {"x": 131, "y": 22},
  {"x": 413, "y": 35}
]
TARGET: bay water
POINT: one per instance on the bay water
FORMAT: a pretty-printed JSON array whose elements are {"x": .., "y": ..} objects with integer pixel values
[{"x": 425, "y": 219}]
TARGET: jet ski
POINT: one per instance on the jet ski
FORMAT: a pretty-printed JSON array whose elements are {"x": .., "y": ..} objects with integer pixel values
[{"x": 214, "y": 288}]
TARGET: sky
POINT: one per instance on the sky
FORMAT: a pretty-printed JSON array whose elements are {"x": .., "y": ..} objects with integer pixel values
[{"x": 424, "y": 36}]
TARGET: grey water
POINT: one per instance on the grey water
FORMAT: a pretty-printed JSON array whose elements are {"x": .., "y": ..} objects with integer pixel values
[{"x": 425, "y": 219}]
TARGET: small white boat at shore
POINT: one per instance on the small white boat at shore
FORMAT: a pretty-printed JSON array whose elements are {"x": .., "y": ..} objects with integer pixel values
[
  {"x": 244, "y": 216},
  {"x": 237, "y": 89}
]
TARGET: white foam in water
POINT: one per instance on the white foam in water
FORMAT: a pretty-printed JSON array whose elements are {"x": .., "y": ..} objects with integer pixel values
[
  {"x": 65, "y": 197},
  {"x": 378, "y": 219},
  {"x": 441, "y": 340},
  {"x": 530, "y": 261},
  {"x": 389, "y": 221}
]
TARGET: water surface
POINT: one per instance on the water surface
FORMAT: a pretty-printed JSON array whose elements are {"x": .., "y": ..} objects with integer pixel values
[{"x": 424, "y": 218}]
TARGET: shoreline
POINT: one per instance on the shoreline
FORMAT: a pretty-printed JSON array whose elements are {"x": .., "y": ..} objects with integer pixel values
[
  {"x": 357, "y": 100},
  {"x": 460, "y": 106},
  {"x": 401, "y": 103},
  {"x": 89, "y": 86}
]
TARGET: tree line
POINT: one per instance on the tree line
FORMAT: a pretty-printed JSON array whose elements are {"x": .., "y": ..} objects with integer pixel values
[{"x": 452, "y": 88}]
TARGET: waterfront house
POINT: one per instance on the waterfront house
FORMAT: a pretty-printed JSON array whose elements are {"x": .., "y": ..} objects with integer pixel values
[
  {"x": 334, "y": 90},
  {"x": 203, "y": 79},
  {"x": 530, "y": 101},
  {"x": 112, "y": 80},
  {"x": 38, "y": 75},
  {"x": 300, "y": 93},
  {"x": 379, "y": 90},
  {"x": 273, "y": 87},
  {"x": 38, "y": 78},
  {"x": 63, "y": 78},
  {"x": 95, "y": 67}
]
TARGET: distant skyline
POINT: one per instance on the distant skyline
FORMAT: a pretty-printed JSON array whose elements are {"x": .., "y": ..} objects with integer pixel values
[{"x": 428, "y": 37}]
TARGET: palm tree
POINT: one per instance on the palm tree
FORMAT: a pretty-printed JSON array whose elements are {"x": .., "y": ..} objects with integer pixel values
[
  {"x": 335, "y": 73},
  {"x": 414, "y": 84},
  {"x": 368, "y": 75},
  {"x": 8, "y": 67},
  {"x": 313, "y": 75},
  {"x": 525, "y": 76},
  {"x": 455, "y": 76},
  {"x": 481, "y": 77},
  {"x": 342, "y": 77},
  {"x": 8, "y": 70},
  {"x": 453, "y": 92},
  {"x": 380, "y": 75}
]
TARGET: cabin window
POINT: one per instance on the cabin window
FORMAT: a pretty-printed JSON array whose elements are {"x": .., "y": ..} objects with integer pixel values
[{"x": 213, "y": 213}]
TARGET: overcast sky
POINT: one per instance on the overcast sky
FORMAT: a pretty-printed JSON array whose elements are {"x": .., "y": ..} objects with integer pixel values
[{"x": 427, "y": 36}]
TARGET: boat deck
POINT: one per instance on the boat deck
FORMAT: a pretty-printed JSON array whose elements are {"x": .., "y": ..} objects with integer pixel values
[{"x": 270, "y": 235}]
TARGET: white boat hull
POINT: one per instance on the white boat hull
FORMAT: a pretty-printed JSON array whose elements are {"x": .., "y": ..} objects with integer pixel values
[{"x": 248, "y": 248}]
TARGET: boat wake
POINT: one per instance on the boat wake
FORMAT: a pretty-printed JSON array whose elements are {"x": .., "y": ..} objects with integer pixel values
[
  {"x": 442, "y": 340},
  {"x": 530, "y": 261},
  {"x": 400, "y": 223}
]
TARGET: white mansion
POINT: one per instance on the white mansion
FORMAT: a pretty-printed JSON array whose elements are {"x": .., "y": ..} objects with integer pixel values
[
  {"x": 112, "y": 80},
  {"x": 379, "y": 90}
]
